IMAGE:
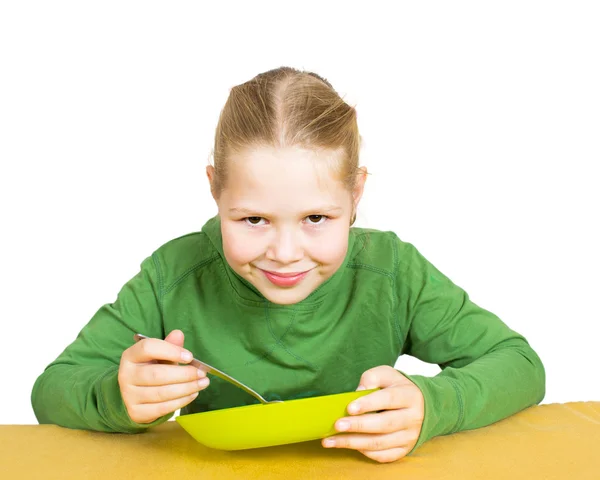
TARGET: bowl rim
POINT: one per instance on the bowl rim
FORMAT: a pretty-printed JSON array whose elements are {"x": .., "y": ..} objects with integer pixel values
[{"x": 285, "y": 402}]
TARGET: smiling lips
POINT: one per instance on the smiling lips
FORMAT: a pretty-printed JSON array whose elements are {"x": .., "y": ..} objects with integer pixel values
[{"x": 284, "y": 279}]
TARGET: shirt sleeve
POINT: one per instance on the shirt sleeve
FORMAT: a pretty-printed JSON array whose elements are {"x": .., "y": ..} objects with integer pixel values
[
  {"x": 489, "y": 371},
  {"x": 80, "y": 388}
]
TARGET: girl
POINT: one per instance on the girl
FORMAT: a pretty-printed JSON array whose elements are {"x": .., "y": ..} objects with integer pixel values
[{"x": 279, "y": 291}]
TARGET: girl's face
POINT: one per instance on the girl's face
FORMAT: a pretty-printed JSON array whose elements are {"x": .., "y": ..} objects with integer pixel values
[{"x": 285, "y": 219}]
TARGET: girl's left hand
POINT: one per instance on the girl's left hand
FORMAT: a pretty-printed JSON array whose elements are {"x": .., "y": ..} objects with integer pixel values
[{"x": 390, "y": 434}]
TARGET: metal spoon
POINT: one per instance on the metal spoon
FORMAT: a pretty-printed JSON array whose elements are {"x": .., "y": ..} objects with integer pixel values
[{"x": 206, "y": 368}]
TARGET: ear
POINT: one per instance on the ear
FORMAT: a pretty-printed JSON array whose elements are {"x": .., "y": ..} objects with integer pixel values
[
  {"x": 357, "y": 192},
  {"x": 210, "y": 173}
]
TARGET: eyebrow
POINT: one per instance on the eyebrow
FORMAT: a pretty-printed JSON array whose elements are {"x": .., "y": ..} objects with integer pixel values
[{"x": 331, "y": 209}]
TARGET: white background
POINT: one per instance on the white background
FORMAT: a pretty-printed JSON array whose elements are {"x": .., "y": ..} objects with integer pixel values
[{"x": 481, "y": 126}]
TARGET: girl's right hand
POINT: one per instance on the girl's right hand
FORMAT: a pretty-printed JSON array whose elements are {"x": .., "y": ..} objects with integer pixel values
[{"x": 151, "y": 381}]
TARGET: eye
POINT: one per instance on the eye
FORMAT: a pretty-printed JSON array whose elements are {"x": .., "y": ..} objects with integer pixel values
[
  {"x": 316, "y": 219},
  {"x": 253, "y": 220}
]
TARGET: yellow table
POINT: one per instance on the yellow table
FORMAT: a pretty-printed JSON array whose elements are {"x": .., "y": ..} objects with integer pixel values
[{"x": 556, "y": 441}]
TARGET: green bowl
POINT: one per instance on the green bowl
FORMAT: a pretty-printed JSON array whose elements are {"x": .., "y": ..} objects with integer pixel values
[{"x": 266, "y": 425}]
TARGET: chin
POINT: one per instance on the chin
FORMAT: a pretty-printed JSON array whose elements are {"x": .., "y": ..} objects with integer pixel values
[{"x": 285, "y": 297}]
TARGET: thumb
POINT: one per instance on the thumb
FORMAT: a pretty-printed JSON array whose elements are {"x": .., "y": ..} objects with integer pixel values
[
  {"x": 381, "y": 377},
  {"x": 176, "y": 337}
]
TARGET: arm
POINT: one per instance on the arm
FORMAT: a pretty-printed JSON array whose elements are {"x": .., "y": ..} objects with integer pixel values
[
  {"x": 80, "y": 388},
  {"x": 489, "y": 372}
]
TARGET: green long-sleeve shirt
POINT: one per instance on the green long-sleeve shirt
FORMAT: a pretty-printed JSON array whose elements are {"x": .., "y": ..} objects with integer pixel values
[{"x": 386, "y": 300}]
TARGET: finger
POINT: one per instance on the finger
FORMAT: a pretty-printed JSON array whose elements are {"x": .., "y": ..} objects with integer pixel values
[
  {"x": 385, "y": 399},
  {"x": 384, "y": 422},
  {"x": 155, "y": 374},
  {"x": 147, "y": 413},
  {"x": 382, "y": 376},
  {"x": 370, "y": 442},
  {"x": 386, "y": 456},
  {"x": 150, "y": 349},
  {"x": 166, "y": 393}
]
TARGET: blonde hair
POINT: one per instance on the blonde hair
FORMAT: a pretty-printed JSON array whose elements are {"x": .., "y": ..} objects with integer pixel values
[{"x": 286, "y": 107}]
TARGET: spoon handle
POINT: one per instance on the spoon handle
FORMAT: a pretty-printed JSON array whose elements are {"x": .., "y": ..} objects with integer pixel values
[{"x": 206, "y": 368}]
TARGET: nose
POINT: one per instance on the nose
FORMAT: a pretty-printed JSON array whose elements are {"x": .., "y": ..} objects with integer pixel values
[{"x": 285, "y": 247}]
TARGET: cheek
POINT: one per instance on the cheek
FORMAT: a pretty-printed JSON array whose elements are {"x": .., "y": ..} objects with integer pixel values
[
  {"x": 238, "y": 247},
  {"x": 331, "y": 250}
]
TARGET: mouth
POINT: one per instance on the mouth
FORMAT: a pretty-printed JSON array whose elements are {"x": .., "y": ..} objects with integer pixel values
[{"x": 284, "y": 279}]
